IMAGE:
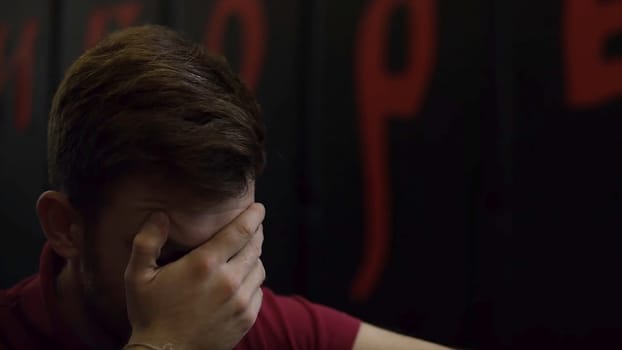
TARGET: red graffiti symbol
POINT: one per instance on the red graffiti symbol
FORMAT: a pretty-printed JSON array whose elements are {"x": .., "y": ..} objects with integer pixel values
[
  {"x": 591, "y": 77},
  {"x": 381, "y": 95},
  {"x": 124, "y": 15},
  {"x": 19, "y": 67},
  {"x": 252, "y": 18}
]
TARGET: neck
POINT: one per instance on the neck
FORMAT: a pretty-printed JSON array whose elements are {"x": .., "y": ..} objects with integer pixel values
[{"x": 73, "y": 307}]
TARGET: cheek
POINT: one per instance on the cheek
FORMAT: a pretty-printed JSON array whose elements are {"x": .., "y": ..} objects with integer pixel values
[
  {"x": 113, "y": 264},
  {"x": 111, "y": 256},
  {"x": 112, "y": 245}
]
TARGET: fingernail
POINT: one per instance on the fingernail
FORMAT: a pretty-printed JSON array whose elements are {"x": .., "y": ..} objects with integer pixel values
[{"x": 259, "y": 206}]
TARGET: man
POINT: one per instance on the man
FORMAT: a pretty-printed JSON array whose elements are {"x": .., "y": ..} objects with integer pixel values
[{"x": 153, "y": 236}]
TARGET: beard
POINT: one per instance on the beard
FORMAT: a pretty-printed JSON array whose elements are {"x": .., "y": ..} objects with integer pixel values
[{"x": 105, "y": 309}]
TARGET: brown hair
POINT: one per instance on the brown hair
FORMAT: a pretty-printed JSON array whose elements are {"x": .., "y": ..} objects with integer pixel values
[{"x": 147, "y": 99}]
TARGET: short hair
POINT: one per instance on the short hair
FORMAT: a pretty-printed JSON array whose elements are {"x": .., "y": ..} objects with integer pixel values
[{"x": 147, "y": 99}]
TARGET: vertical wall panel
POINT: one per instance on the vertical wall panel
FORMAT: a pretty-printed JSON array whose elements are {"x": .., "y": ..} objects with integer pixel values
[
  {"x": 83, "y": 23},
  {"x": 24, "y": 72},
  {"x": 262, "y": 41},
  {"x": 561, "y": 289},
  {"x": 396, "y": 155}
]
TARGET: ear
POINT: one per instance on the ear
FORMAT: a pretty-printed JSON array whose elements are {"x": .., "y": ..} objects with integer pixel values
[{"x": 61, "y": 223}]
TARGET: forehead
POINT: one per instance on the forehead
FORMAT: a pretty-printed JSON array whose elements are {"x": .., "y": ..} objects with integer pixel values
[{"x": 193, "y": 218}]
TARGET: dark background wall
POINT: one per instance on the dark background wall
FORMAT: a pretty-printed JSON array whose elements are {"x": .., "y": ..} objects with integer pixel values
[{"x": 448, "y": 169}]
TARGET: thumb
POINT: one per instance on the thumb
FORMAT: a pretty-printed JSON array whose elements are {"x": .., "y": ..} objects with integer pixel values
[{"x": 147, "y": 245}]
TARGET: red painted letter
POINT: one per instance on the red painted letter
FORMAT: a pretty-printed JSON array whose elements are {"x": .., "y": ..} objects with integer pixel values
[
  {"x": 382, "y": 94},
  {"x": 124, "y": 14},
  {"x": 591, "y": 77},
  {"x": 20, "y": 67},
  {"x": 253, "y": 21}
]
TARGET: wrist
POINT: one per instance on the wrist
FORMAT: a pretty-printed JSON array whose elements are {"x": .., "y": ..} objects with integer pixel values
[
  {"x": 151, "y": 342},
  {"x": 141, "y": 346},
  {"x": 147, "y": 346}
]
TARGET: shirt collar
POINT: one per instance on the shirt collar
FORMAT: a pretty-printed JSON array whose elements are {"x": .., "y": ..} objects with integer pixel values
[{"x": 40, "y": 302}]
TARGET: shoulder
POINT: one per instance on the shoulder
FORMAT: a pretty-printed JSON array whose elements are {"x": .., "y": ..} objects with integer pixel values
[
  {"x": 6, "y": 300},
  {"x": 10, "y": 296},
  {"x": 296, "y": 323},
  {"x": 8, "y": 319},
  {"x": 15, "y": 330}
]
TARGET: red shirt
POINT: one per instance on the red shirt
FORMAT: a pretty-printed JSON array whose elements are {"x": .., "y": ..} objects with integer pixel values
[{"x": 30, "y": 319}]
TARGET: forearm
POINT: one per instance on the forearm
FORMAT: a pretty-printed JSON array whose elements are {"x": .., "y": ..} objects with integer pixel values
[{"x": 374, "y": 338}]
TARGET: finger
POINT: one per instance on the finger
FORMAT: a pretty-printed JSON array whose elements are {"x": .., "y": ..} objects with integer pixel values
[
  {"x": 255, "y": 306},
  {"x": 246, "y": 308},
  {"x": 244, "y": 261},
  {"x": 147, "y": 245},
  {"x": 250, "y": 284},
  {"x": 255, "y": 242},
  {"x": 233, "y": 237},
  {"x": 256, "y": 301}
]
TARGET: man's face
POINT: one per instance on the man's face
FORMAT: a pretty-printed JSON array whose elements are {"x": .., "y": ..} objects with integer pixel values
[{"x": 108, "y": 243}]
